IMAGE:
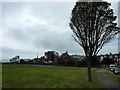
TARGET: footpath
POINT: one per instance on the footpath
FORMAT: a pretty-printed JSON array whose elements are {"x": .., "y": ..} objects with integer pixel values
[{"x": 107, "y": 81}]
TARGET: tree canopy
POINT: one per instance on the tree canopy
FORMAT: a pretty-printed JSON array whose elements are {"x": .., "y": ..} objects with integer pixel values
[{"x": 93, "y": 26}]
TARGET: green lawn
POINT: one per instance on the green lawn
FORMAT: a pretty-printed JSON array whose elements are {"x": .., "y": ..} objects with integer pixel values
[
  {"x": 112, "y": 76},
  {"x": 40, "y": 76},
  {"x": 0, "y": 76}
]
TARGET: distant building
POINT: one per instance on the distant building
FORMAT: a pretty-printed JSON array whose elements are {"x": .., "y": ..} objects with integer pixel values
[
  {"x": 56, "y": 58},
  {"x": 25, "y": 61},
  {"x": 51, "y": 57},
  {"x": 41, "y": 60},
  {"x": 78, "y": 57},
  {"x": 65, "y": 57},
  {"x": 15, "y": 59},
  {"x": 38, "y": 60},
  {"x": 114, "y": 57}
]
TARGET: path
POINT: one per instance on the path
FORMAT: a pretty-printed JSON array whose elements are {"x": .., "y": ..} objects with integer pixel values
[{"x": 107, "y": 81}]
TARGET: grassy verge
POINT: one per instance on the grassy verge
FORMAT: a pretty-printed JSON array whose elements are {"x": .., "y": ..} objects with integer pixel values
[
  {"x": 40, "y": 76},
  {"x": 112, "y": 76},
  {"x": 0, "y": 76}
]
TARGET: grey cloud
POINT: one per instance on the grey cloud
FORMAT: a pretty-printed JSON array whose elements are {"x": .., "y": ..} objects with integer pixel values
[
  {"x": 42, "y": 37},
  {"x": 59, "y": 42},
  {"x": 8, "y": 53},
  {"x": 10, "y": 9},
  {"x": 18, "y": 35}
]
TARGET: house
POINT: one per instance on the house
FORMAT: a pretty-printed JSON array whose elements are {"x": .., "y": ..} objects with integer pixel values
[
  {"x": 77, "y": 57},
  {"x": 114, "y": 57},
  {"x": 56, "y": 58},
  {"x": 15, "y": 59},
  {"x": 51, "y": 57},
  {"x": 25, "y": 61},
  {"x": 65, "y": 57},
  {"x": 37, "y": 60}
]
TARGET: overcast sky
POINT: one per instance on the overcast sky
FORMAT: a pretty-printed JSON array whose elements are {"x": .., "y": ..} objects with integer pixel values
[{"x": 32, "y": 28}]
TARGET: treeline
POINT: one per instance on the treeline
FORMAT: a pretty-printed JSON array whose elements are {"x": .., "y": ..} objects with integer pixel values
[{"x": 71, "y": 62}]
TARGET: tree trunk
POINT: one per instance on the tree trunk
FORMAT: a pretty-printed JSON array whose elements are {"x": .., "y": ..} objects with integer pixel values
[{"x": 89, "y": 69}]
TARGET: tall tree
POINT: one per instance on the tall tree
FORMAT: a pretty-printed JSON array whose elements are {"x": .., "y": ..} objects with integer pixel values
[{"x": 93, "y": 26}]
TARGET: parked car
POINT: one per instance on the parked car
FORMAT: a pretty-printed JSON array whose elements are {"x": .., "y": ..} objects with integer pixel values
[
  {"x": 112, "y": 67},
  {"x": 117, "y": 70}
]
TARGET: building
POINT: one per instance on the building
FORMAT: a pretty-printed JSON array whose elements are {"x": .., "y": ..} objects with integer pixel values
[
  {"x": 15, "y": 59},
  {"x": 65, "y": 57},
  {"x": 114, "y": 57},
  {"x": 38, "y": 60},
  {"x": 56, "y": 58},
  {"x": 77, "y": 57},
  {"x": 25, "y": 61},
  {"x": 51, "y": 57}
]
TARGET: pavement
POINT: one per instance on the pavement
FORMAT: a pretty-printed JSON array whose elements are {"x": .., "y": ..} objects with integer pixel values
[{"x": 107, "y": 81}]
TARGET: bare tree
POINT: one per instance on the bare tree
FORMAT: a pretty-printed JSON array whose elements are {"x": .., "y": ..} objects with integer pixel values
[{"x": 93, "y": 26}]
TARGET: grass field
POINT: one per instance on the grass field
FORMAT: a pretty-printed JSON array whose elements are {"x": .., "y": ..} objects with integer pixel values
[
  {"x": 40, "y": 76},
  {"x": 0, "y": 76}
]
